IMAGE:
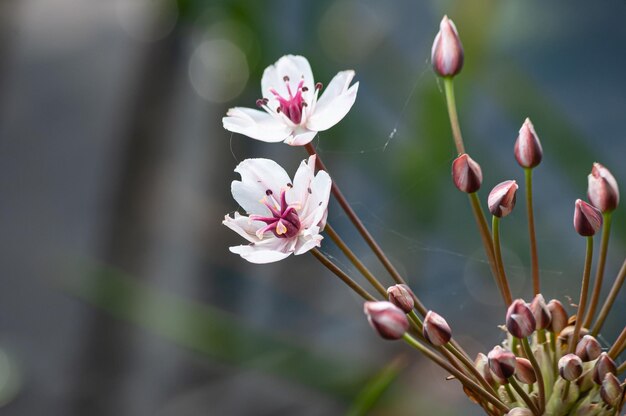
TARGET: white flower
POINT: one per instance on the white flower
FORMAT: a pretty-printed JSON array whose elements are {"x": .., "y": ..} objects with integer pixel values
[
  {"x": 293, "y": 114},
  {"x": 284, "y": 217}
]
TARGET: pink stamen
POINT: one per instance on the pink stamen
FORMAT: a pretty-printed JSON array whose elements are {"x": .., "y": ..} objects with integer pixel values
[
  {"x": 284, "y": 223},
  {"x": 291, "y": 106}
]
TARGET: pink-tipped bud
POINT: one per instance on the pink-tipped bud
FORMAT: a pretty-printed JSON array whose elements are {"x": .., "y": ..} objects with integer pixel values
[
  {"x": 541, "y": 312},
  {"x": 520, "y": 411},
  {"x": 604, "y": 365},
  {"x": 524, "y": 371},
  {"x": 588, "y": 348},
  {"x": 570, "y": 367},
  {"x": 387, "y": 319},
  {"x": 602, "y": 191},
  {"x": 558, "y": 315},
  {"x": 501, "y": 199},
  {"x": 502, "y": 362},
  {"x": 587, "y": 218},
  {"x": 520, "y": 321},
  {"x": 611, "y": 391},
  {"x": 436, "y": 329},
  {"x": 528, "y": 151},
  {"x": 401, "y": 296},
  {"x": 482, "y": 365},
  {"x": 447, "y": 51},
  {"x": 466, "y": 174}
]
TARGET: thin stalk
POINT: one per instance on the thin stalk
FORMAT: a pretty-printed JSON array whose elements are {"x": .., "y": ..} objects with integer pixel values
[
  {"x": 555, "y": 358},
  {"x": 534, "y": 259},
  {"x": 507, "y": 388},
  {"x": 448, "y": 86},
  {"x": 621, "y": 368},
  {"x": 355, "y": 260},
  {"x": 538, "y": 375},
  {"x": 457, "y": 374},
  {"x": 610, "y": 299},
  {"x": 358, "y": 224},
  {"x": 470, "y": 366},
  {"x": 597, "y": 285},
  {"x": 342, "y": 275},
  {"x": 485, "y": 236},
  {"x": 520, "y": 391},
  {"x": 495, "y": 229},
  {"x": 618, "y": 345},
  {"x": 584, "y": 290}
]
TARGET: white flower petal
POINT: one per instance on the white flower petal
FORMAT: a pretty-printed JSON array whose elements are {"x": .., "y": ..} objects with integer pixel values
[
  {"x": 300, "y": 139},
  {"x": 243, "y": 226},
  {"x": 301, "y": 182},
  {"x": 307, "y": 243},
  {"x": 258, "y": 176},
  {"x": 256, "y": 124},
  {"x": 259, "y": 255},
  {"x": 293, "y": 66},
  {"x": 334, "y": 103},
  {"x": 316, "y": 208}
]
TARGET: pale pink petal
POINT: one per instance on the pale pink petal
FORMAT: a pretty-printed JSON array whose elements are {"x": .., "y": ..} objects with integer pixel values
[
  {"x": 307, "y": 243},
  {"x": 334, "y": 103},
  {"x": 243, "y": 226},
  {"x": 261, "y": 179},
  {"x": 294, "y": 67},
  {"x": 300, "y": 139},
  {"x": 315, "y": 211},
  {"x": 301, "y": 182},
  {"x": 256, "y": 124},
  {"x": 258, "y": 255}
]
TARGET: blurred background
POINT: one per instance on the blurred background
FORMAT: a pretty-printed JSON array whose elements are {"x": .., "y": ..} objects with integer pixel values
[{"x": 119, "y": 295}]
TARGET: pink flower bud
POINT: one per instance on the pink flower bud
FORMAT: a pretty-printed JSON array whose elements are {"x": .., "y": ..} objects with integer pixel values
[
  {"x": 588, "y": 348},
  {"x": 501, "y": 199},
  {"x": 401, "y": 296},
  {"x": 387, "y": 319},
  {"x": 558, "y": 315},
  {"x": 541, "y": 312},
  {"x": 482, "y": 365},
  {"x": 466, "y": 174},
  {"x": 587, "y": 218},
  {"x": 520, "y": 321},
  {"x": 604, "y": 365},
  {"x": 611, "y": 391},
  {"x": 602, "y": 191},
  {"x": 436, "y": 329},
  {"x": 520, "y": 411},
  {"x": 502, "y": 362},
  {"x": 524, "y": 371},
  {"x": 447, "y": 51},
  {"x": 528, "y": 151},
  {"x": 570, "y": 367}
]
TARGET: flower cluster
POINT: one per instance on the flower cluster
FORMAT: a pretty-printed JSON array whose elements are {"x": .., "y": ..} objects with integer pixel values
[{"x": 549, "y": 363}]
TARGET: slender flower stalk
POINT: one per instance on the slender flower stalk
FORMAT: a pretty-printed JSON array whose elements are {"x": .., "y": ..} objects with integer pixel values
[
  {"x": 495, "y": 228},
  {"x": 597, "y": 285},
  {"x": 342, "y": 275},
  {"x": 534, "y": 258},
  {"x": 522, "y": 393},
  {"x": 542, "y": 389},
  {"x": 610, "y": 299},
  {"x": 583, "y": 296},
  {"x": 618, "y": 345},
  {"x": 448, "y": 85}
]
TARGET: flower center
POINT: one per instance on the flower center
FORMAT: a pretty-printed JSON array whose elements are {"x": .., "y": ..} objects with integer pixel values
[
  {"x": 284, "y": 222},
  {"x": 293, "y": 105}
]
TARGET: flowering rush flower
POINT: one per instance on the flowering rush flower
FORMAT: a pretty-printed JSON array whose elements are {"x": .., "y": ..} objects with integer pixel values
[
  {"x": 284, "y": 217},
  {"x": 292, "y": 113}
]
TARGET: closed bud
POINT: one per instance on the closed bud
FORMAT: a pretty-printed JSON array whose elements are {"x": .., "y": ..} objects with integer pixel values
[
  {"x": 447, "y": 51},
  {"x": 387, "y": 319},
  {"x": 466, "y": 174},
  {"x": 611, "y": 391},
  {"x": 540, "y": 311},
  {"x": 604, "y": 365},
  {"x": 501, "y": 199},
  {"x": 436, "y": 329},
  {"x": 520, "y": 321},
  {"x": 602, "y": 191},
  {"x": 401, "y": 296},
  {"x": 482, "y": 365},
  {"x": 588, "y": 348},
  {"x": 558, "y": 316},
  {"x": 502, "y": 362},
  {"x": 528, "y": 151},
  {"x": 587, "y": 218},
  {"x": 520, "y": 411},
  {"x": 570, "y": 367},
  {"x": 524, "y": 371}
]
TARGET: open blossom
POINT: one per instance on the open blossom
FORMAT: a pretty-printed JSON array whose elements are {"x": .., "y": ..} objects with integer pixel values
[
  {"x": 291, "y": 111},
  {"x": 284, "y": 217}
]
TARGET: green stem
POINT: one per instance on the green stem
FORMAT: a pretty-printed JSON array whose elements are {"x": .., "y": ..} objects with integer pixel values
[
  {"x": 610, "y": 299},
  {"x": 342, "y": 275},
  {"x": 533, "y": 361},
  {"x": 495, "y": 229},
  {"x": 476, "y": 388},
  {"x": 507, "y": 387},
  {"x": 556, "y": 356},
  {"x": 597, "y": 285},
  {"x": 470, "y": 366},
  {"x": 358, "y": 224},
  {"x": 621, "y": 368},
  {"x": 355, "y": 260},
  {"x": 618, "y": 345},
  {"x": 582, "y": 303},
  {"x": 448, "y": 85},
  {"x": 520, "y": 391},
  {"x": 534, "y": 260}
]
